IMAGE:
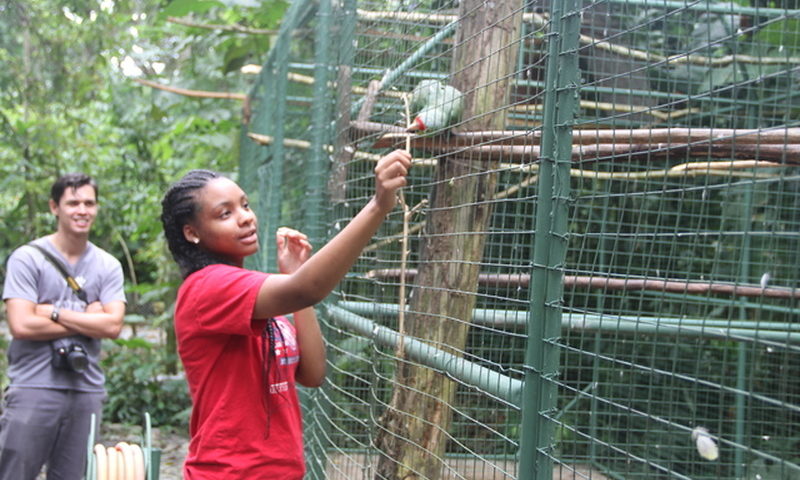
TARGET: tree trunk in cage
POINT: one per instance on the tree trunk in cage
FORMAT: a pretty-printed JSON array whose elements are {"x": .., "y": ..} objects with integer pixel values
[{"x": 413, "y": 433}]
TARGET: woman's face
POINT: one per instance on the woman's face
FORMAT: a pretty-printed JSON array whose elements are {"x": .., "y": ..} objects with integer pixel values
[{"x": 225, "y": 225}]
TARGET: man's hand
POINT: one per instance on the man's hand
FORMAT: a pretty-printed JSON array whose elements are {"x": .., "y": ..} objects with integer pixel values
[
  {"x": 293, "y": 249},
  {"x": 94, "y": 307}
]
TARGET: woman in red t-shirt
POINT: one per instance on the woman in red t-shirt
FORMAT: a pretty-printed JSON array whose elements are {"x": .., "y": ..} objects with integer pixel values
[{"x": 241, "y": 356}]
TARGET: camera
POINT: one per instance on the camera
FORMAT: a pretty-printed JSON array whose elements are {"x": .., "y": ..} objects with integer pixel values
[{"x": 70, "y": 356}]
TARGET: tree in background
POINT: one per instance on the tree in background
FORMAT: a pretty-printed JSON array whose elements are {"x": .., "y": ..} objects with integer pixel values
[{"x": 68, "y": 102}]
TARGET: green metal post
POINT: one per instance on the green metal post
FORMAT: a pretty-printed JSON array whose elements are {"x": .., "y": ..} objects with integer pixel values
[
  {"x": 741, "y": 359},
  {"x": 313, "y": 215},
  {"x": 316, "y": 173},
  {"x": 261, "y": 180},
  {"x": 549, "y": 244}
]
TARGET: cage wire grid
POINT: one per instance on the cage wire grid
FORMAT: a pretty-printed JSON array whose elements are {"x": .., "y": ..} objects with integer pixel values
[{"x": 599, "y": 272}]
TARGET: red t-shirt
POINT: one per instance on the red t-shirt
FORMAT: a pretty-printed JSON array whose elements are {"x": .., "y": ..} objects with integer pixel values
[{"x": 221, "y": 349}]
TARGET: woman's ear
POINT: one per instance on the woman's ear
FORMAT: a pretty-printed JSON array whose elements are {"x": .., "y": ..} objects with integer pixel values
[{"x": 190, "y": 235}]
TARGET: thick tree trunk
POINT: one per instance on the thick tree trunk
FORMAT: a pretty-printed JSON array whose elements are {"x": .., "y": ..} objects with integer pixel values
[{"x": 413, "y": 434}]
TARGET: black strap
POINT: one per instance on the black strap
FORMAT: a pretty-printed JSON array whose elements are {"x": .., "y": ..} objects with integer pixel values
[{"x": 63, "y": 271}]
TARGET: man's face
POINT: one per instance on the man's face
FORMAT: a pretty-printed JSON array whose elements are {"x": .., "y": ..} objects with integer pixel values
[{"x": 76, "y": 210}]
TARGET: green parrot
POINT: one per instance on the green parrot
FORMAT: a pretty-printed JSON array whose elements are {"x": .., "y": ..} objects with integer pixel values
[{"x": 435, "y": 106}]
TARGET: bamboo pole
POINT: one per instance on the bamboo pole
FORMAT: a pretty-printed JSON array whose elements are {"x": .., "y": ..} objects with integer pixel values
[
  {"x": 393, "y": 135},
  {"x": 527, "y": 108},
  {"x": 732, "y": 168},
  {"x": 787, "y": 154},
  {"x": 304, "y": 144},
  {"x": 779, "y": 145},
  {"x": 500, "y": 280},
  {"x": 759, "y": 155}
]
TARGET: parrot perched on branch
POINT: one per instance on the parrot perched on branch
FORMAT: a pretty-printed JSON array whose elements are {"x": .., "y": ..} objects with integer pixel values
[{"x": 435, "y": 106}]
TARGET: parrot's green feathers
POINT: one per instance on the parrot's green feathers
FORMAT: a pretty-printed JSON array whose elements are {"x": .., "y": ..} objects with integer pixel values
[
  {"x": 435, "y": 106},
  {"x": 422, "y": 93}
]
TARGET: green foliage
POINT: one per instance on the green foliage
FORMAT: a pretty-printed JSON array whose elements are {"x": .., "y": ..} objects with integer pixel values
[
  {"x": 137, "y": 382},
  {"x": 184, "y": 7},
  {"x": 68, "y": 103},
  {"x": 740, "y": 61}
]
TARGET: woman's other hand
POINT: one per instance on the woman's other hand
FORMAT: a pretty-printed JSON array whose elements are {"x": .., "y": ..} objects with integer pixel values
[{"x": 293, "y": 249}]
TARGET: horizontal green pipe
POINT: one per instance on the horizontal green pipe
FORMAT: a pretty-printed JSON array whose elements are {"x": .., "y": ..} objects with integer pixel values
[
  {"x": 725, "y": 302},
  {"x": 494, "y": 317},
  {"x": 480, "y": 316},
  {"x": 620, "y": 324},
  {"x": 496, "y": 384},
  {"x": 692, "y": 327},
  {"x": 391, "y": 76}
]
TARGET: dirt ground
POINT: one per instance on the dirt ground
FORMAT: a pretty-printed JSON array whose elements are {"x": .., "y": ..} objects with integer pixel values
[{"x": 173, "y": 445}]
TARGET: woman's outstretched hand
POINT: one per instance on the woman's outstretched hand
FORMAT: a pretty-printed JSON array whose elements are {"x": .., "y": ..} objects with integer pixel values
[
  {"x": 390, "y": 176},
  {"x": 293, "y": 249}
]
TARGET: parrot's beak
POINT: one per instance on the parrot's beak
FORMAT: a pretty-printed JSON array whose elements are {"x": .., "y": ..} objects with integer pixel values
[{"x": 416, "y": 126}]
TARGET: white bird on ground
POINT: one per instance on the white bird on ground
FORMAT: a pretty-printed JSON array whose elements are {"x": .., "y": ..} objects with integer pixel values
[{"x": 706, "y": 446}]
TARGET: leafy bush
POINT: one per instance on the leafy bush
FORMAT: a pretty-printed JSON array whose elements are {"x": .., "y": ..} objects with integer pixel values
[{"x": 137, "y": 382}]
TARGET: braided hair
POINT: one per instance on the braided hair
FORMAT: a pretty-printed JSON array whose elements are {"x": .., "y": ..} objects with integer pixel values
[{"x": 179, "y": 207}]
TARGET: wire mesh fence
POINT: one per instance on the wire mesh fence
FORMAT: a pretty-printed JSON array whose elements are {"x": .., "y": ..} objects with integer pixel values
[{"x": 594, "y": 272}]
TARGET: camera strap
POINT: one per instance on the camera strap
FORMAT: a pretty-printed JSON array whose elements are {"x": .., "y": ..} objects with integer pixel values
[{"x": 73, "y": 284}]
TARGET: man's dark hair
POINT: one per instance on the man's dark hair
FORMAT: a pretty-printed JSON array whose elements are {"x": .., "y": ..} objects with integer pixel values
[
  {"x": 73, "y": 181},
  {"x": 178, "y": 208}
]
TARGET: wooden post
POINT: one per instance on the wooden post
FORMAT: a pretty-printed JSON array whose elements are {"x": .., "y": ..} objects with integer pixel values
[{"x": 413, "y": 434}]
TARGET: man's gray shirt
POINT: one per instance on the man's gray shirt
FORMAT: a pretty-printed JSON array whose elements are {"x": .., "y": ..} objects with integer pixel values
[{"x": 29, "y": 276}]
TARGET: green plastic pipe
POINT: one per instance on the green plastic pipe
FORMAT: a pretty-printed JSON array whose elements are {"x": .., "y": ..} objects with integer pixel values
[
  {"x": 496, "y": 318},
  {"x": 402, "y": 70},
  {"x": 496, "y": 384}
]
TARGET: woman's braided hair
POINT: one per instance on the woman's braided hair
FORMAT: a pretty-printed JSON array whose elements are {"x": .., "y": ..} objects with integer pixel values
[{"x": 179, "y": 207}]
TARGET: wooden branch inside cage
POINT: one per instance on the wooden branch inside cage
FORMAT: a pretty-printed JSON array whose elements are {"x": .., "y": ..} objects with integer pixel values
[
  {"x": 394, "y": 134},
  {"x": 779, "y": 145},
  {"x": 500, "y": 280}
]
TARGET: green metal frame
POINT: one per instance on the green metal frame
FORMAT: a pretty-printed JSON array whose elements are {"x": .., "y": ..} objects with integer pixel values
[
  {"x": 549, "y": 243},
  {"x": 546, "y": 321}
]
